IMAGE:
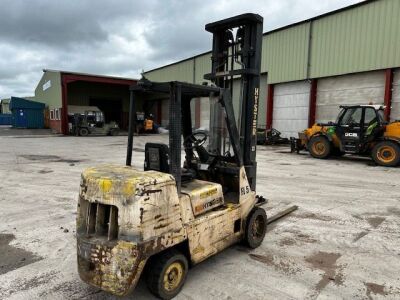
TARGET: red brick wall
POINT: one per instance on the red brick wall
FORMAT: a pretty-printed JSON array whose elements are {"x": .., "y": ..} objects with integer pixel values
[{"x": 55, "y": 125}]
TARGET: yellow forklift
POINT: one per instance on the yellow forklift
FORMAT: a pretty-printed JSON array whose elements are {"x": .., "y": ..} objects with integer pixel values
[
  {"x": 159, "y": 221},
  {"x": 360, "y": 130}
]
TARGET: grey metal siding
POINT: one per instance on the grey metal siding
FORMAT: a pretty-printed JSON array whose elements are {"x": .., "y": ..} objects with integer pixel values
[
  {"x": 291, "y": 106},
  {"x": 395, "y": 114},
  {"x": 362, "y": 88}
]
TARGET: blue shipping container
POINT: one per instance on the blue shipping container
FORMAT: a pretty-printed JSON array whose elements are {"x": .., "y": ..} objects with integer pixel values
[
  {"x": 27, "y": 113},
  {"x": 5, "y": 119}
]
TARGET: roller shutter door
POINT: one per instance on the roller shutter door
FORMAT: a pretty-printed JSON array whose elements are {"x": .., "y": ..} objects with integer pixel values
[
  {"x": 361, "y": 88},
  {"x": 395, "y": 114},
  {"x": 291, "y": 105}
]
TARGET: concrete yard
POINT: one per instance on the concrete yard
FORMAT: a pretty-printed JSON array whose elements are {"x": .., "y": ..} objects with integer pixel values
[{"x": 342, "y": 243}]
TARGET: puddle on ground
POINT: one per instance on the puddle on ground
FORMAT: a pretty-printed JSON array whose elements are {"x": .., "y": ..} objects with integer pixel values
[
  {"x": 279, "y": 264},
  {"x": 373, "y": 288},
  {"x": 375, "y": 221},
  {"x": 50, "y": 158},
  {"x": 326, "y": 262},
  {"x": 11, "y": 257},
  {"x": 45, "y": 171},
  {"x": 360, "y": 235},
  {"x": 310, "y": 215}
]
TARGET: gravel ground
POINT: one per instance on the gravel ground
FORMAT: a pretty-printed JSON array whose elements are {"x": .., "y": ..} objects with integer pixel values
[{"x": 342, "y": 243}]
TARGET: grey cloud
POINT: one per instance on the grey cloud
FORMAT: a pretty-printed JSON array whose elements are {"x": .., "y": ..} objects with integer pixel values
[{"x": 120, "y": 37}]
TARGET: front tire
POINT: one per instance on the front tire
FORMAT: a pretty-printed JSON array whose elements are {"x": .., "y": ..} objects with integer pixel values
[
  {"x": 256, "y": 227},
  {"x": 166, "y": 274},
  {"x": 319, "y": 147},
  {"x": 83, "y": 132},
  {"x": 386, "y": 153}
]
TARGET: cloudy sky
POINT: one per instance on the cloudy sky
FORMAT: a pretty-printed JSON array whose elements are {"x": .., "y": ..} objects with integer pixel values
[{"x": 120, "y": 37}]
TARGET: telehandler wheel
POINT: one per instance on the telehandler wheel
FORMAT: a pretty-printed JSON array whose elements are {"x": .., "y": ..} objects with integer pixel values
[
  {"x": 83, "y": 132},
  {"x": 386, "y": 153},
  {"x": 319, "y": 147},
  {"x": 256, "y": 227},
  {"x": 166, "y": 274}
]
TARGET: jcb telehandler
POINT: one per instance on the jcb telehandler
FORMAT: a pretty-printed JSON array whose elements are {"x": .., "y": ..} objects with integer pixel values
[
  {"x": 359, "y": 129},
  {"x": 159, "y": 221}
]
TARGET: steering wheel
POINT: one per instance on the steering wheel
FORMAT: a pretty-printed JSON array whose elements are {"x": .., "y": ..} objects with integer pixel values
[{"x": 195, "y": 140}]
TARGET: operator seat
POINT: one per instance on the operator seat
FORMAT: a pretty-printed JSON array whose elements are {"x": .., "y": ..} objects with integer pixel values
[{"x": 156, "y": 157}]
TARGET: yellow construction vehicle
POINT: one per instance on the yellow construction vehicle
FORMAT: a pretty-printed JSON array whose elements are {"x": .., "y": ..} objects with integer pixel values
[
  {"x": 359, "y": 129},
  {"x": 169, "y": 216}
]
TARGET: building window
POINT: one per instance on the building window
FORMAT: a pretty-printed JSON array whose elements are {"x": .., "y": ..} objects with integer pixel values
[
  {"x": 57, "y": 114},
  {"x": 51, "y": 114}
]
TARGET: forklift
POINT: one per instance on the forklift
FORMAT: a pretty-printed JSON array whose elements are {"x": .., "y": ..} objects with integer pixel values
[
  {"x": 157, "y": 222},
  {"x": 360, "y": 130},
  {"x": 91, "y": 121}
]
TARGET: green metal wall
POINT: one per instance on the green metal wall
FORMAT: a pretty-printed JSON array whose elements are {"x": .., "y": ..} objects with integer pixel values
[
  {"x": 52, "y": 95},
  {"x": 285, "y": 53},
  {"x": 180, "y": 72},
  {"x": 358, "y": 39}
]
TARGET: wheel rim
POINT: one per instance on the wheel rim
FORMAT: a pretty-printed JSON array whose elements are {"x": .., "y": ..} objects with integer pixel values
[
  {"x": 319, "y": 148},
  {"x": 257, "y": 229},
  {"x": 173, "y": 276},
  {"x": 386, "y": 154}
]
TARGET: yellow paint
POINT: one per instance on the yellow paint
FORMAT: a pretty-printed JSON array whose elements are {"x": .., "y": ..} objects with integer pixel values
[
  {"x": 393, "y": 130},
  {"x": 105, "y": 184},
  {"x": 129, "y": 188}
]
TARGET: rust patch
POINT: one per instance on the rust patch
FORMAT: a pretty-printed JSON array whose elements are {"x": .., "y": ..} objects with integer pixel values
[
  {"x": 326, "y": 262},
  {"x": 375, "y": 221},
  {"x": 373, "y": 288},
  {"x": 278, "y": 264},
  {"x": 148, "y": 192}
]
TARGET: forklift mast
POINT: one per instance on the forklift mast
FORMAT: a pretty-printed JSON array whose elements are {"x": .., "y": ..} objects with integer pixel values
[{"x": 236, "y": 55}]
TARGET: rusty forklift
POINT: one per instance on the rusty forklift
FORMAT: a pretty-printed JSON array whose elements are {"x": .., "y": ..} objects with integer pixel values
[{"x": 159, "y": 221}]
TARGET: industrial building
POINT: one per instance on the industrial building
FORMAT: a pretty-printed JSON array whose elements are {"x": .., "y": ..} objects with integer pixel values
[
  {"x": 58, "y": 89},
  {"x": 347, "y": 56}
]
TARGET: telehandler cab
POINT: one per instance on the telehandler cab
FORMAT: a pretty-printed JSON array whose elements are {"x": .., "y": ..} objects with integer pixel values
[
  {"x": 359, "y": 129},
  {"x": 169, "y": 216}
]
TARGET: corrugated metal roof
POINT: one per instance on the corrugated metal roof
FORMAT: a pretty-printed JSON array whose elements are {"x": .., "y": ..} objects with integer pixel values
[{"x": 87, "y": 74}]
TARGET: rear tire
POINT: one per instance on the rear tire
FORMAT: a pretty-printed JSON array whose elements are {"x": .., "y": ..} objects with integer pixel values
[
  {"x": 166, "y": 274},
  {"x": 256, "y": 227},
  {"x": 114, "y": 132},
  {"x": 386, "y": 153},
  {"x": 83, "y": 132},
  {"x": 319, "y": 147}
]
